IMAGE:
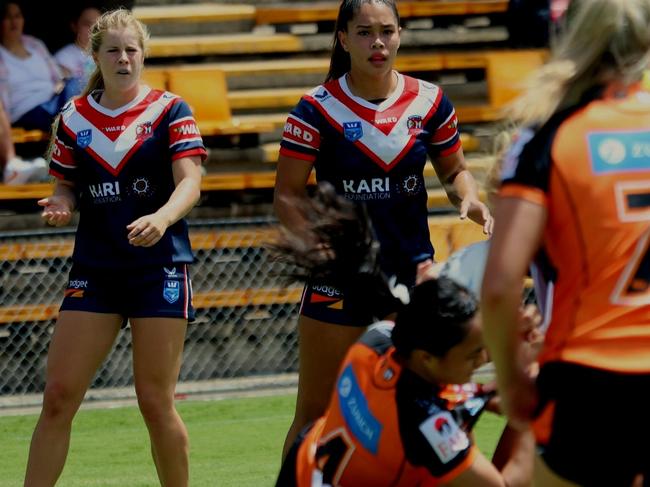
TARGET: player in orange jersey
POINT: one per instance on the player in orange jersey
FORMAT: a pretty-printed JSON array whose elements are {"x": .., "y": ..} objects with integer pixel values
[
  {"x": 403, "y": 407},
  {"x": 576, "y": 186}
]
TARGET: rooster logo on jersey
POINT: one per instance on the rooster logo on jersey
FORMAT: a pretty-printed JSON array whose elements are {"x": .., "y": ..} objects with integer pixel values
[
  {"x": 144, "y": 131},
  {"x": 414, "y": 124}
]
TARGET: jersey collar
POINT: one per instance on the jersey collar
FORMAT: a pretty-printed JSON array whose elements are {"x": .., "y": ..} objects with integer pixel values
[
  {"x": 144, "y": 91},
  {"x": 387, "y": 103}
]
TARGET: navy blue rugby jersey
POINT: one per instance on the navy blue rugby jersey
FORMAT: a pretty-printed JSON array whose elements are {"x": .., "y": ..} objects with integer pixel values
[
  {"x": 120, "y": 162},
  {"x": 376, "y": 154}
]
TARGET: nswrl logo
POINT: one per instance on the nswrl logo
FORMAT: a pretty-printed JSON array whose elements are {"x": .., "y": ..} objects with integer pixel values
[{"x": 84, "y": 138}]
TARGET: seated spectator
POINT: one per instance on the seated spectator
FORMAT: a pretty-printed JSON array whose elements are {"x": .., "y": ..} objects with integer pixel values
[
  {"x": 75, "y": 57},
  {"x": 32, "y": 87},
  {"x": 45, "y": 19},
  {"x": 15, "y": 170}
]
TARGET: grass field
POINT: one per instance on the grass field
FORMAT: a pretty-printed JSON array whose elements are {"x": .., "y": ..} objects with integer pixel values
[{"x": 234, "y": 442}]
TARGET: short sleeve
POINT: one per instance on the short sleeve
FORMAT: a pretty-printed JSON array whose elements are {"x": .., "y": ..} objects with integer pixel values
[
  {"x": 433, "y": 436},
  {"x": 526, "y": 169},
  {"x": 301, "y": 136},
  {"x": 443, "y": 126},
  {"x": 184, "y": 136},
  {"x": 447, "y": 444},
  {"x": 63, "y": 164}
]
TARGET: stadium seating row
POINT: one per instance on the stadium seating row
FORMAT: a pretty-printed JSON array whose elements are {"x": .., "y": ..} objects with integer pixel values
[
  {"x": 293, "y": 13},
  {"x": 447, "y": 233},
  {"x": 204, "y": 87}
]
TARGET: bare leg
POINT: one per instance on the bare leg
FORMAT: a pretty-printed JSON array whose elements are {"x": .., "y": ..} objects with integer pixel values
[
  {"x": 322, "y": 347},
  {"x": 79, "y": 345},
  {"x": 157, "y": 356}
]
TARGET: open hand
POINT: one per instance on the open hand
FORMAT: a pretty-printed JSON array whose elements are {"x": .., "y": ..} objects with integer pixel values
[
  {"x": 478, "y": 212},
  {"x": 57, "y": 210},
  {"x": 147, "y": 230}
]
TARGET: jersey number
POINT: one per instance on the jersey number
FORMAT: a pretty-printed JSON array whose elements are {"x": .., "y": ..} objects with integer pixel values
[
  {"x": 633, "y": 204},
  {"x": 333, "y": 455}
]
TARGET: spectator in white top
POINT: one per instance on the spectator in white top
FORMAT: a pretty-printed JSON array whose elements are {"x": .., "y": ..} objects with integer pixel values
[
  {"x": 32, "y": 86},
  {"x": 15, "y": 170},
  {"x": 75, "y": 57}
]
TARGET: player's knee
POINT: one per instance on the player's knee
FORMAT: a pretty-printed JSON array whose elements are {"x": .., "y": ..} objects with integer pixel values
[
  {"x": 155, "y": 405},
  {"x": 59, "y": 401}
]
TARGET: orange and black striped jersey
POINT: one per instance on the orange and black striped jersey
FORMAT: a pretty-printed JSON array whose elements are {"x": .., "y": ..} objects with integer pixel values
[
  {"x": 590, "y": 168},
  {"x": 386, "y": 426}
]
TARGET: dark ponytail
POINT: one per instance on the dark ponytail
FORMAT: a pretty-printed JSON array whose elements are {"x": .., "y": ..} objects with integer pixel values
[
  {"x": 338, "y": 247},
  {"x": 435, "y": 319},
  {"x": 340, "y": 60}
]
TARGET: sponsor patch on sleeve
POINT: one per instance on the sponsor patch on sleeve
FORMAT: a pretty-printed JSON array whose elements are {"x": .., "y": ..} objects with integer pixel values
[
  {"x": 62, "y": 154},
  {"x": 301, "y": 133},
  {"x": 445, "y": 436},
  {"x": 447, "y": 131},
  {"x": 183, "y": 130}
]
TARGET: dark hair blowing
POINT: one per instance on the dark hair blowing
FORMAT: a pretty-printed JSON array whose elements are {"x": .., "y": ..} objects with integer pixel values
[
  {"x": 340, "y": 60},
  {"x": 435, "y": 319},
  {"x": 339, "y": 248}
]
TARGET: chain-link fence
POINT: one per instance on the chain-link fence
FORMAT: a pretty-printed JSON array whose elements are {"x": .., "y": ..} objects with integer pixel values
[{"x": 245, "y": 316}]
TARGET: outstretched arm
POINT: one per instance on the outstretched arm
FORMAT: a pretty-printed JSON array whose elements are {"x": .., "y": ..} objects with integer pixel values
[{"x": 462, "y": 190}]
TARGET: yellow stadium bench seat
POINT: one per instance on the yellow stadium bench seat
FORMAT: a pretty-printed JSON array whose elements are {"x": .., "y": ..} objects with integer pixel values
[
  {"x": 231, "y": 44},
  {"x": 207, "y": 94},
  {"x": 204, "y": 12},
  {"x": 155, "y": 78},
  {"x": 319, "y": 11},
  {"x": 506, "y": 73},
  {"x": 22, "y": 136}
]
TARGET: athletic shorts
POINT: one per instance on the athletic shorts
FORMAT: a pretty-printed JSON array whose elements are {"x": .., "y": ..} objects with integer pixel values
[
  {"x": 594, "y": 427},
  {"x": 151, "y": 292},
  {"x": 324, "y": 302}
]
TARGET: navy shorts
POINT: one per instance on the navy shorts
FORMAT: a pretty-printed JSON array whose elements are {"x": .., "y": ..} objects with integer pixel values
[
  {"x": 151, "y": 292},
  {"x": 324, "y": 302},
  {"x": 594, "y": 425}
]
